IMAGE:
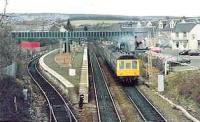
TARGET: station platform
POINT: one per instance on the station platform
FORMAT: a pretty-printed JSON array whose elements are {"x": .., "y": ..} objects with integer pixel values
[
  {"x": 60, "y": 66},
  {"x": 84, "y": 84}
]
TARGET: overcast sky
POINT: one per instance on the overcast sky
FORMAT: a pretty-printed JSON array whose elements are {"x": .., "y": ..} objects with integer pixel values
[{"x": 115, "y": 7}]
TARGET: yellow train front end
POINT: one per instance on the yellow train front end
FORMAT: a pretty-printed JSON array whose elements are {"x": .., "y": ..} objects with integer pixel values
[{"x": 128, "y": 70}]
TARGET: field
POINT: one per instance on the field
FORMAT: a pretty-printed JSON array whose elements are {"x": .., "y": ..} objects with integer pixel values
[{"x": 93, "y": 22}]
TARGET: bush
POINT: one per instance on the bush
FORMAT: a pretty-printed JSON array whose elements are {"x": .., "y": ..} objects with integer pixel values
[
  {"x": 198, "y": 99},
  {"x": 196, "y": 94},
  {"x": 185, "y": 84},
  {"x": 186, "y": 90}
]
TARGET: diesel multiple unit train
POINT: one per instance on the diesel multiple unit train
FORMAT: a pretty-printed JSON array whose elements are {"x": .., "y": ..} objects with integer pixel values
[{"x": 125, "y": 66}]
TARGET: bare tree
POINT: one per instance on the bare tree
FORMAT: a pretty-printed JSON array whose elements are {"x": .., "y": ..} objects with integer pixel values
[
  {"x": 3, "y": 15},
  {"x": 8, "y": 47}
]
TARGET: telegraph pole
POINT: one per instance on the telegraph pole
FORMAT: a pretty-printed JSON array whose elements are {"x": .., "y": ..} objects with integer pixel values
[{"x": 149, "y": 64}]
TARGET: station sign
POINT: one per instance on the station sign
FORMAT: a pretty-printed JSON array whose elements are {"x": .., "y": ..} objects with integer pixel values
[
  {"x": 72, "y": 72},
  {"x": 160, "y": 83}
]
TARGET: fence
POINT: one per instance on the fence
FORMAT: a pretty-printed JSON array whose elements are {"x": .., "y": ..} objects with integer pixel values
[
  {"x": 9, "y": 70},
  {"x": 162, "y": 61}
]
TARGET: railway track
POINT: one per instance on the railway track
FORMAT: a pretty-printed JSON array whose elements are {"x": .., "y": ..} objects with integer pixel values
[
  {"x": 146, "y": 110},
  {"x": 106, "y": 108},
  {"x": 59, "y": 110}
]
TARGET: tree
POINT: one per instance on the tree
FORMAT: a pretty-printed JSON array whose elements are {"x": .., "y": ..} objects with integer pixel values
[
  {"x": 3, "y": 15},
  {"x": 68, "y": 26},
  {"x": 85, "y": 28},
  {"x": 183, "y": 17},
  {"x": 8, "y": 46}
]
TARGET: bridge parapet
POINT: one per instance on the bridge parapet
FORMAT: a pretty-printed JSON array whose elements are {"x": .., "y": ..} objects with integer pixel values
[{"x": 70, "y": 34}]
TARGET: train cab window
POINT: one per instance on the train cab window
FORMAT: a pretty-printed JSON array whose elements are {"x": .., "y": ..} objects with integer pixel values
[
  {"x": 121, "y": 65},
  {"x": 134, "y": 64},
  {"x": 128, "y": 65}
]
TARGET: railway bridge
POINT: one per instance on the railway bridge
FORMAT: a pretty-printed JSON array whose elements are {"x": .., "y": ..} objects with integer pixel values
[{"x": 71, "y": 35}]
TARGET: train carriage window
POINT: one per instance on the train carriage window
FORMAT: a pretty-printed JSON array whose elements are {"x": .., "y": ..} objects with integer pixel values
[
  {"x": 121, "y": 65},
  {"x": 134, "y": 64},
  {"x": 128, "y": 65}
]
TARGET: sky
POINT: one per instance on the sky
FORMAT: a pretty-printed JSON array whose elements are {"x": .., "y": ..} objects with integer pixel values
[{"x": 113, "y": 7}]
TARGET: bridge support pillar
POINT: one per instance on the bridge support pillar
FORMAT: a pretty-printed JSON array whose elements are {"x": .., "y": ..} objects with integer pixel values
[
  {"x": 66, "y": 46},
  {"x": 60, "y": 46}
]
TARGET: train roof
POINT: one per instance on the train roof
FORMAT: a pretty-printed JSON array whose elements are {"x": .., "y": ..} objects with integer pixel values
[
  {"x": 119, "y": 54},
  {"x": 127, "y": 57}
]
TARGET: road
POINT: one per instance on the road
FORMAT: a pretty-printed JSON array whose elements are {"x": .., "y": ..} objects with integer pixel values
[{"x": 195, "y": 60}]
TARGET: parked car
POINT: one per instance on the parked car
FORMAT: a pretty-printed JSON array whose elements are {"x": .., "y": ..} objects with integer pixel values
[
  {"x": 165, "y": 45},
  {"x": 194, "y": 52},
  {"x": 184, "y": 52},
  {"x": 179, "y": 61},
  {"x": 184, "y": 60}
]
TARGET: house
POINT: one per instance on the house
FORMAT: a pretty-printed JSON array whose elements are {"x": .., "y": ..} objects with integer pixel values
[
  {"x": 160, "y": 24},
  {"x": 164, "y": 30},
  {"x": 172, "y": 24},
  {"x": 130, "y": 24},
  {"x": 54, "y": 28},
  {"x": 186, "y": 35},
  {"x": 57, "y": 28},
  {"x": 149, "y": 24},
  {"x": 139, "y": 25},
  {"x": 62, "y": 29}
]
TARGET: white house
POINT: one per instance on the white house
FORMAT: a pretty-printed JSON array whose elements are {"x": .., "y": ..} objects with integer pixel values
[
  {"x": 160, "y": 24},
  {"x": 149, "y": 24},
  {"x": 62, "y": 29},
  {"x": 186, "y": 36},
  {"x": 172, "y": 24},
  {"x": 139, "y": 25}
]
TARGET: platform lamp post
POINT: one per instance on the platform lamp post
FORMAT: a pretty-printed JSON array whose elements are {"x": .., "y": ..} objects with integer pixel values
[
  {"x": 67, "y": 48},
  {"x": 66, "y": 43}
]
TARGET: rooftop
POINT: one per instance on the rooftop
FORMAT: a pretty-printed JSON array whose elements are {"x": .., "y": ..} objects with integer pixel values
[{"x": 184, "y": 27}]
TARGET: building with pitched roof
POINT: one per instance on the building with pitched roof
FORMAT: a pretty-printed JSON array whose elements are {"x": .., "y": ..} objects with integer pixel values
[
  {"x": 186, "y": 35},
  {"x": 164, "y": 29}
]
